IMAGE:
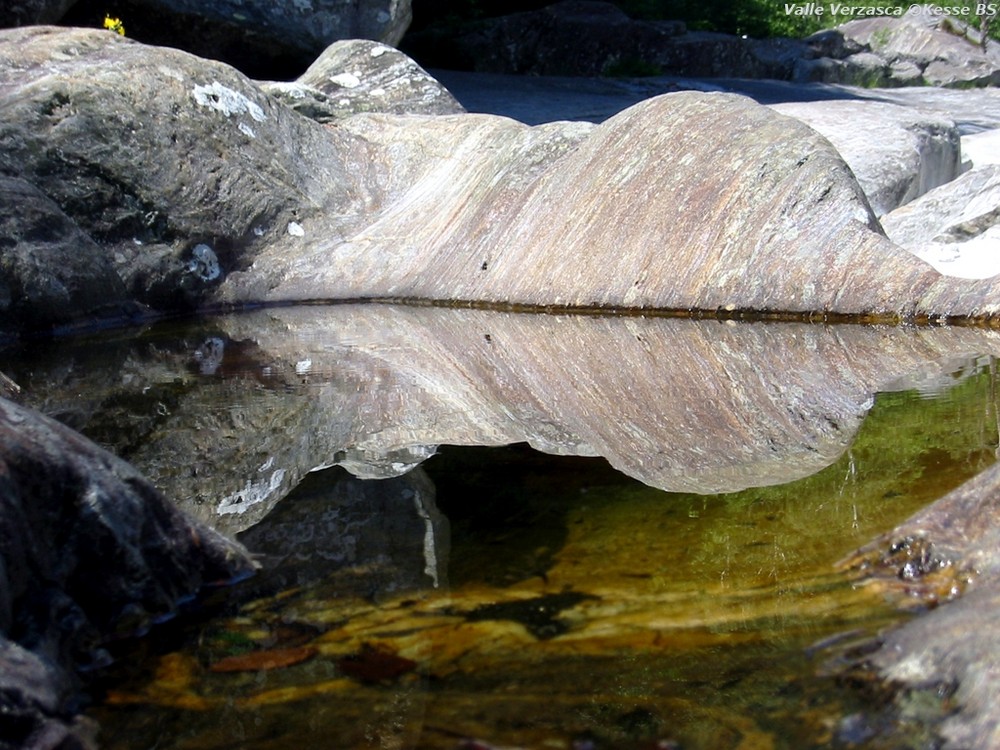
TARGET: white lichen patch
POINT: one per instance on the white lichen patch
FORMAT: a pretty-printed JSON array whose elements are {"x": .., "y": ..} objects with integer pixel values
[
  {"x": 378, "y": 51},
  {"x": 346, "y": 80},
  {"x": 295, "y": 229},
  {"x": 227, "y": 101},
  {"x": 246, "y": 130}
]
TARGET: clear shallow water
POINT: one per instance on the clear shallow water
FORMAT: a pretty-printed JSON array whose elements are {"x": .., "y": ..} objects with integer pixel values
[
  {"x": 582, "y": 609},
  {"x": 501, "y": 597}
]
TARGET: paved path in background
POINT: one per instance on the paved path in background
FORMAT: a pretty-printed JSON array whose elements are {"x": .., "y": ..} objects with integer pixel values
[{"x": 537, "y": 99}]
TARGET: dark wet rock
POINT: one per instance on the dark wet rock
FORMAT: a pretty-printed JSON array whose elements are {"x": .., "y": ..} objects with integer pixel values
[
  {"x": 955, "y": 227},
  {"x": 51, "y": 272},
  {"x": 32, "y": 12},
  {"x": 918, "y": 48},
  {"x": 363, "y": 76},
  {"x": 951, "y": 650},
  {"x": 262, "y": 38},
  {"x": 91, "y": 551},
  {"x": 896, "y": 153},
  {"x": 390, "y": 532},
  {"x": 548, "y": 41},
  {"x": 539, "y": 615},
  {"x": 164, "y": 159}
]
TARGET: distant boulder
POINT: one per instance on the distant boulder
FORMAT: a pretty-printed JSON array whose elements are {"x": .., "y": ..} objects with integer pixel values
[
  {"x": 920, "y": 47},
  {"x": 262, "y": 38},
  {"x": 362, "y": 76},
  {"x": 897, "y": 153},
  {"x": 956, "y": 227}
]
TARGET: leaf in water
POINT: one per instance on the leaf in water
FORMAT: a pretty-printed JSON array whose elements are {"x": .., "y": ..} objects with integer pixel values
[
  {"x": 257, "y": 661},
  {"x": 375, "y": 664}
]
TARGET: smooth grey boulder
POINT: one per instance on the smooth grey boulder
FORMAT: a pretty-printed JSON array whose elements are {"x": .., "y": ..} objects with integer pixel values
[
  {"x": 90, "y": 551},
  {"x": 362, "y": 76},
  {"x": 897, "y": 153},
  {"x": 955, "y": 228},
  {"x": 51, "y": 272},
  {"x": 980, "y": 149}
]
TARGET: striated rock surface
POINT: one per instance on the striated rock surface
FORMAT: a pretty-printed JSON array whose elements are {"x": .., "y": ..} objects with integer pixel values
[
  {"x": 363, "y": 76},
  {"x": 955, "y": 228},
  {"x": 896, "y": 153},
  {"x": 90, "y": 551},
  {"x": 757, "y": 212}
]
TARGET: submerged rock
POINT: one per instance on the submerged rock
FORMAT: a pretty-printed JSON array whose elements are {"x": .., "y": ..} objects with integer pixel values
[
  {"x": 91, "y": 551},
  {"x": 949, "y": 651}
]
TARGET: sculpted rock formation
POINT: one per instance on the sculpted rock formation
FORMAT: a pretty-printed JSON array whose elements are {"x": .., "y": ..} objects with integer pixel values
[
  {"x": 681, "y": 405},
  {"x": 90, "y": 551},
  {"x": 203, "y": 190}
]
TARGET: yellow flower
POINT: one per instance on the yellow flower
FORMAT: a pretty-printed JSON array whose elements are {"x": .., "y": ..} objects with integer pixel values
[{"x": 114, "y": 24}]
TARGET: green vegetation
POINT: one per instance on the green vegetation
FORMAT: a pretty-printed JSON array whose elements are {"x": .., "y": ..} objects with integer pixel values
[{"x": 756, "y": 18}]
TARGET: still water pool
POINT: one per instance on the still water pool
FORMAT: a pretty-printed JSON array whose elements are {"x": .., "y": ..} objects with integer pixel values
[{"x": 475, "y": 592}]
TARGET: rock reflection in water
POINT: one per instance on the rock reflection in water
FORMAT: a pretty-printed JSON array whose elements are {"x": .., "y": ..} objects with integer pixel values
[{"x": 692, "y": 406}]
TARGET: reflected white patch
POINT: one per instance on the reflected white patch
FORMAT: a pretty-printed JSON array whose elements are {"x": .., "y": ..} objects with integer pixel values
[
  {"x": 252, "y": 494},
  {"x": 430, "y": 551}
]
